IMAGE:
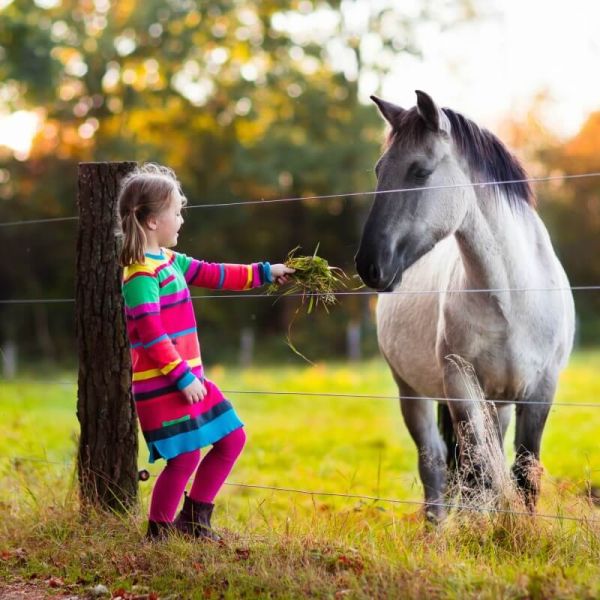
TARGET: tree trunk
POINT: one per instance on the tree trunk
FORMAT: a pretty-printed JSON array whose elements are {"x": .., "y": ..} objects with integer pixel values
[{"x": 107, "y": 460}]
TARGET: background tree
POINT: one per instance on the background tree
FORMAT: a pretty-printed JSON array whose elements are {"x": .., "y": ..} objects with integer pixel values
[
  {"x": 573, "y": 211},
  {"x": 244, "y": 100}
]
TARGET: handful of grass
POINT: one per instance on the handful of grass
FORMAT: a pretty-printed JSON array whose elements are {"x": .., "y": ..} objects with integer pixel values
[{"x": 315, "y": 281}]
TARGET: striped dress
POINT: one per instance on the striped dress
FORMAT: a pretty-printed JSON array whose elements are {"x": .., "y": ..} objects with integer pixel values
[{"x": 165, "y": 351}]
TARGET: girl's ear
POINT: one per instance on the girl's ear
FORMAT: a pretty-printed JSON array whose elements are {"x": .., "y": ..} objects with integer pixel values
[{"x": 151, "y": 223}]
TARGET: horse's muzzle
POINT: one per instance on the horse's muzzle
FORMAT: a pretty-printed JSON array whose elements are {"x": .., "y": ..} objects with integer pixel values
[{"x": 380, "y": 275}]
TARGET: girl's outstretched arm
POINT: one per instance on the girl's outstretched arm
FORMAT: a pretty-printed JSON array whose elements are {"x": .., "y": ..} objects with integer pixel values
[{"x": 223, "y": 276}]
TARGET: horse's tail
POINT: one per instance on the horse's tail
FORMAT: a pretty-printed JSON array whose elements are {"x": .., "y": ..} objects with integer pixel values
[{"x": 448, "y": 436}]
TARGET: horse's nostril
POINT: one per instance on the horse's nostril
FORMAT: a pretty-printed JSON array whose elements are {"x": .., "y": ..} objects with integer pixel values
[{"x": 373, "y": 272}]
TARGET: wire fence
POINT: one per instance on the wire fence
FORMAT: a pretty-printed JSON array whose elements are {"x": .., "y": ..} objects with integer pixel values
[
  {"x": 450, "y": 506},
  {"x": 363, "y": 497}
]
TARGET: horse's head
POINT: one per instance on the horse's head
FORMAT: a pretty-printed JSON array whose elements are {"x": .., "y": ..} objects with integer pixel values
[{"x": 403, "y": 226}]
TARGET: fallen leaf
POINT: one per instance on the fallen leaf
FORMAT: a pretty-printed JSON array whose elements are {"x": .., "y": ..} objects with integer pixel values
[
  {"x": 55, "y": 582},
  {"x": 352, "y": 563},
  {"x": 242, "y": 553}
]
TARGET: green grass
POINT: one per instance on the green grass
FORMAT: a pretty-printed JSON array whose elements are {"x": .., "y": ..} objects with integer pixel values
[{"x": 291, "y": 545}]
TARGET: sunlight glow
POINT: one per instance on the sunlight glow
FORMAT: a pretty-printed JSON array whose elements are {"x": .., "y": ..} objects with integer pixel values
[{"x": 17, "y": 131}]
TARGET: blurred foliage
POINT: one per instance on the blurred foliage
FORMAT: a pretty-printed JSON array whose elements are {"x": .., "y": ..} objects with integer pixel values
[
  {"x": 572, "y": 211},
  {"x": 245, "y": 100}
]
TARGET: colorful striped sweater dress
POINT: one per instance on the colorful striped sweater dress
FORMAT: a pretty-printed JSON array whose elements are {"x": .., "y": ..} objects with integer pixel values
[{"x": 165, "y": 351}]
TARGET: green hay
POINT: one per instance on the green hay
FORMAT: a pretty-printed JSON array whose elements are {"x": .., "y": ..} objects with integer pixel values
[{"x": 315, "y": 281}]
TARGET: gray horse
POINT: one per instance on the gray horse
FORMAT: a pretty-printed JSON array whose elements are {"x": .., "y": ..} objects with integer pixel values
[{"x": 453, "y": 240}]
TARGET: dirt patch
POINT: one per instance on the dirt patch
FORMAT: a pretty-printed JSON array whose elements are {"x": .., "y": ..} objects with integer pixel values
[{"x": 32, "y": 590}]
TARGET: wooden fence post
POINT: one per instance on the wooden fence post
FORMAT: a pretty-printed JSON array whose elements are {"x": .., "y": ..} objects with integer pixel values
[{"x": 107, "y": 459}]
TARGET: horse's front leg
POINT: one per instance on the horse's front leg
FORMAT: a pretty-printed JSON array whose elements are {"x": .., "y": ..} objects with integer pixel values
[
  {"x": 531, "y": 419},
  {"x": 419, "y": 416}
]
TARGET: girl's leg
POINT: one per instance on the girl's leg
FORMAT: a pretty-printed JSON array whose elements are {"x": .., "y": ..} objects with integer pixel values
[
  {"x": 170, "y": 484},
  {"x": 216, "y": 466}
]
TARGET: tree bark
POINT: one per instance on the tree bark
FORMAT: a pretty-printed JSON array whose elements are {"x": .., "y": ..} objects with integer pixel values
[{"x": 107, "y": 459}]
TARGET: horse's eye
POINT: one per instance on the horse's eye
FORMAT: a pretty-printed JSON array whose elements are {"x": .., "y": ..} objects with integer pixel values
[{"x": 422, "y": 174}]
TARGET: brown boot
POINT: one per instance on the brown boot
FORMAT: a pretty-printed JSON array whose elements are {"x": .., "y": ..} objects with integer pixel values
[
  {"x": 194, "y": 520},
  {"x": 158, "y": 531}
]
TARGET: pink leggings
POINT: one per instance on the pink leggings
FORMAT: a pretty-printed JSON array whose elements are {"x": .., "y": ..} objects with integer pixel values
[{"x": 210, "y": 476}]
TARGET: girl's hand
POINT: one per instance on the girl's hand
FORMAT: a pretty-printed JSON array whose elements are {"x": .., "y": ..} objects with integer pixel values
[
  {"x": 280, "y": 273},
  {"x": 195, "y": 392}
]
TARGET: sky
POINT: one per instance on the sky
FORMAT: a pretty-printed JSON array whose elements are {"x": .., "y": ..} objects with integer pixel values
[
  {"x": 487, "y": 70},
  {"x": 495, "y": 68}
]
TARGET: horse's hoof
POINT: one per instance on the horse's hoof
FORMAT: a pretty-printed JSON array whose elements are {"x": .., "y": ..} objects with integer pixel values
[{"x": 434, "y": 516}]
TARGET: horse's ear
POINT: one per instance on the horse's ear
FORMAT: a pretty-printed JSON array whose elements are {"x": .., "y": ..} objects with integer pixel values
[
  {"x": 391, "y": 112},
  {"x": 434, "y": 118}
]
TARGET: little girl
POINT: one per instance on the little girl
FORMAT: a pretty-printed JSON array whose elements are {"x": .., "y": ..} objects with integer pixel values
[{"x": 180, "y": 411}]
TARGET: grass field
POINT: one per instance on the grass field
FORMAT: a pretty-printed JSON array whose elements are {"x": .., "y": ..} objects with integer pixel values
[{"x": 283, "y": 544}]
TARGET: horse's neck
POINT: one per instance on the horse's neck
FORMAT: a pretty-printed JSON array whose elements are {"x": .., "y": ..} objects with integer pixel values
[{"x": 495, "y": 245}]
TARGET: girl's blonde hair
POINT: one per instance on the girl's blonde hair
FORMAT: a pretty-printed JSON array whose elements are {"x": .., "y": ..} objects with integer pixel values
[{"x": 143, "y": 193}]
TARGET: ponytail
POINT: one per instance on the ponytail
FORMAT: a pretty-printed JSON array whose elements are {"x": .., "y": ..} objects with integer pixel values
[{"x": 134, "y": 241}]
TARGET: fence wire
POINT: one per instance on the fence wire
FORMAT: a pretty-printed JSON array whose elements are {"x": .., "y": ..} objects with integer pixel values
[
  {"x": 318, "y": 394},
  {"x": 445, "y": 505},
  {"x": 226, "y": 296},
  {"x": 481, "y": 184}
]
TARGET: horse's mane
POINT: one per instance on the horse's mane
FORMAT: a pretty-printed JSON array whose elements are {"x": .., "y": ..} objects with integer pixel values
[{"x": 486, "y": 155}]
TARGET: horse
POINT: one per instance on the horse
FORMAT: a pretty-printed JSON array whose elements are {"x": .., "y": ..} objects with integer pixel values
[{"x": 472, "y": 274}]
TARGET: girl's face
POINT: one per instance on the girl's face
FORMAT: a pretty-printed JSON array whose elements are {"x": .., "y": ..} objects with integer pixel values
[{"x": 168, "y": 223}]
